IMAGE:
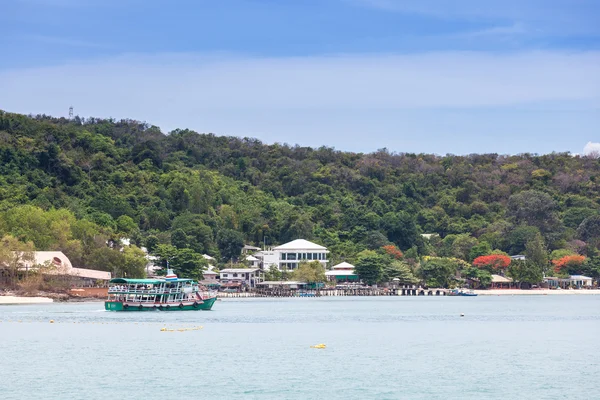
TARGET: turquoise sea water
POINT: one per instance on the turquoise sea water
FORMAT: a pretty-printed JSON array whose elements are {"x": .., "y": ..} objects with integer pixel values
[{"x": 505, "y": 347}]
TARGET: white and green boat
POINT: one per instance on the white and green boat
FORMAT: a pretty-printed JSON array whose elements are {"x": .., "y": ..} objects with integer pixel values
[{"x": 168, "y": 294}]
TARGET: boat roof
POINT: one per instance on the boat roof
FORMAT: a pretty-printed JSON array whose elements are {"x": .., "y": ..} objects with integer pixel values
[{"x": 147, "y": 281}]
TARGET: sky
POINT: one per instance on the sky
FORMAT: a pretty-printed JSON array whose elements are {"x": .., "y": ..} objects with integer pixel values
[{"x": 423, "y": 76}]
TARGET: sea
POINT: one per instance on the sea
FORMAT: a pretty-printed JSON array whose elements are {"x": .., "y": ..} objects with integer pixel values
[{"x": 485, "y": 347}]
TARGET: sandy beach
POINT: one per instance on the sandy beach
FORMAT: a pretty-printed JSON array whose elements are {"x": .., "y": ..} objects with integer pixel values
[
  {"x": 24, "y": 300},
  {"x": 535, "y": 292}
]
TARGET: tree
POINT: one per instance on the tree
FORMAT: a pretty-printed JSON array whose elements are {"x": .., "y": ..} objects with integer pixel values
[
  {"x": 591, "y": 267},
  {"x": 126, "y": 224},
  {"x": 525, "y": 272},
  {"x": 560, "y": 253},
  {"x": 439, "y": 271},
  {"x": 179, "y": 239},
  {"x": 230, "y": 243},
  {"x": 462, "y": 245},
  {"x": 309, "y": 272},
  {"x": 483, "y": 248},
  {"x": 15, "y": 256},
  {"x": 273, "y": 274},
  {"x": 534, "y": 208},
  {"x": 536, "y": 252},
  {"x": 393, "y": 251},
  {"x": 399, "y": 270},
  {"x": 518, "y": 238},
  {"x": 151, "y": 243},
  {"x": 483, "y": 276},
  {"x": 589, "y": 228},
  {"x": 375, "y": 240},
  {"x": 492, "y": 262},
  {"x": 569, "y": 264},
  {"x": 369, "y": 266},
  {"x": 186, "y": 263},
  {"x": 401, "y": 229},
  {"x": 134, "y": 262}
]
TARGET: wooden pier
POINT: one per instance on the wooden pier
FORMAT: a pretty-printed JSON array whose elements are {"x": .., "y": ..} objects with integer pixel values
[{"x": 280, "y": 292}]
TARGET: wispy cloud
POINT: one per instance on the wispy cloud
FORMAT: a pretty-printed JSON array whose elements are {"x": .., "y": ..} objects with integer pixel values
[
  {"x": 556, "y": 16},
  {"x": 289, "y": 99},
  {"x": 63, "y": 41},
  {"x": 60, "y": 3},
  {"x": 513, "y": 29}
]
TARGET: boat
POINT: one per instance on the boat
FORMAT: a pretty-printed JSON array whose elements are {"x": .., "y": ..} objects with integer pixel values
[
  {"x": 461, "y": 292},
  {"x": 167, "y": 294}
]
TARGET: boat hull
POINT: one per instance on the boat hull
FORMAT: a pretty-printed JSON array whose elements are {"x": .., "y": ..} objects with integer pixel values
[{"x": 206, "y": 305}]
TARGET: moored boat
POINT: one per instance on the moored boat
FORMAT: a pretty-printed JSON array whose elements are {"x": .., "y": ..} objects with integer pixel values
[
  {"x": 461, "y": 292},
  {"x": 169, "y": 294}
]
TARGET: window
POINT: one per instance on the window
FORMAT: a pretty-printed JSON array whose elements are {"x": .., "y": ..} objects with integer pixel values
[
  {"x": 224, "y": 275},
  {"x": 235, "y": 275},
  {"x": 291, "y": 256},
  {"x": 283, "y": 256}
]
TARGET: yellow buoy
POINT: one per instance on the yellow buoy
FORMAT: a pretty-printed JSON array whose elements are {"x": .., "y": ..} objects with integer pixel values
[
  {"x": 51, "y": 321},
  {"x": 318, "y": 346}
]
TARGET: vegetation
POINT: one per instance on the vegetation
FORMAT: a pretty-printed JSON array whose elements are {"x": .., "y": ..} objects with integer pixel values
[
  {"x": 80, "y": 185},
  {"x": 309, "y": 272}
]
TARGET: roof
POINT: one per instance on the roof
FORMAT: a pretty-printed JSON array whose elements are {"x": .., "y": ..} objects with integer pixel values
[
  {"x": 239, "y": 270},
  {"x": 147, "y": 281},
  {"x": 500, "y": 279},
  {"x": 343, "y": 265},
  {"x": 341, "y": 272},
  {"x": 61, "y": 265},
  {"x": 300, "y": 244},
  {"x": 281, "y": 283},
  {"x": 207, "y": 257},
  {"x": 248, "y": 247},
  {"x": 251, "y": 258},
  {"x": 209, "y": 272},
  {"x": 580, "y": 277},
  {"x": 90, "y": 273}
]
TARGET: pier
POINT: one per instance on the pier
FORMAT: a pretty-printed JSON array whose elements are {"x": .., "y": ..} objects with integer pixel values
[{"x": 284, "y": 292}]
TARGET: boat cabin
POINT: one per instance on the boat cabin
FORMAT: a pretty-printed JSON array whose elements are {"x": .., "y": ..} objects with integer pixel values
[{"x": 152, "y": 291}]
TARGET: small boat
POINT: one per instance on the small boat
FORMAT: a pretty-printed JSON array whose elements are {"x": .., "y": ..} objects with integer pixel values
[
  {"x": 168, "y": 294},
  {"x": 462, "y": 292}
]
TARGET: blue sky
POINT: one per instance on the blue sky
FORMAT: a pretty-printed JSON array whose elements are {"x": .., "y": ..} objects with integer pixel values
[{"x": 461, "y": 76}]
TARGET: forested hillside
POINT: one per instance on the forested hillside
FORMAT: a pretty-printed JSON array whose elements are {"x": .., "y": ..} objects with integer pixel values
[{"x": 72, "y": 184}]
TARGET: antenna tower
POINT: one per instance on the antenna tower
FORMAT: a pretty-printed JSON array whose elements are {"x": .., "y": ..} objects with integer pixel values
[{"x": 71, "y": 112}]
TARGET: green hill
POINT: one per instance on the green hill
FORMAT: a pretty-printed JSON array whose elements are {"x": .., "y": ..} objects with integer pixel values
[{"x": 73, "y": 184}]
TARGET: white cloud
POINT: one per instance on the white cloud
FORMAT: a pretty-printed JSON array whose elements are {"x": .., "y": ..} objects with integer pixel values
[{"x": 591, "y": 149}]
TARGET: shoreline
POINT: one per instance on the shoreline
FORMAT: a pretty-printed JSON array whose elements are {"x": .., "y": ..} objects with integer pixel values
[
  {"x": 20, "y": 300},
  {"x": 15, "y": 300},
  {"x": 537, "y": 292}
]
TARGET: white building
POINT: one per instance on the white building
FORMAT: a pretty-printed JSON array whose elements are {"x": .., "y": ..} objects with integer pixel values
[
  {"x": 290, "y": 255},
  {"x": 57, "y": 263},
  {"x": 343, "y": 272},
  {"x": 244, "y": 276},
  {"x": 247, "y": 249},
  {"x": 253, "y": 261},
  {"x": 578, "y": 281}
]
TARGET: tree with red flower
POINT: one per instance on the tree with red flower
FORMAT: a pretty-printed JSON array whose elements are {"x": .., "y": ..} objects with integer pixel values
[
  {"x": 492, "y": 261},
  {"x": 393, "y": 251},
  {"x": 566, "y": 263}
]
